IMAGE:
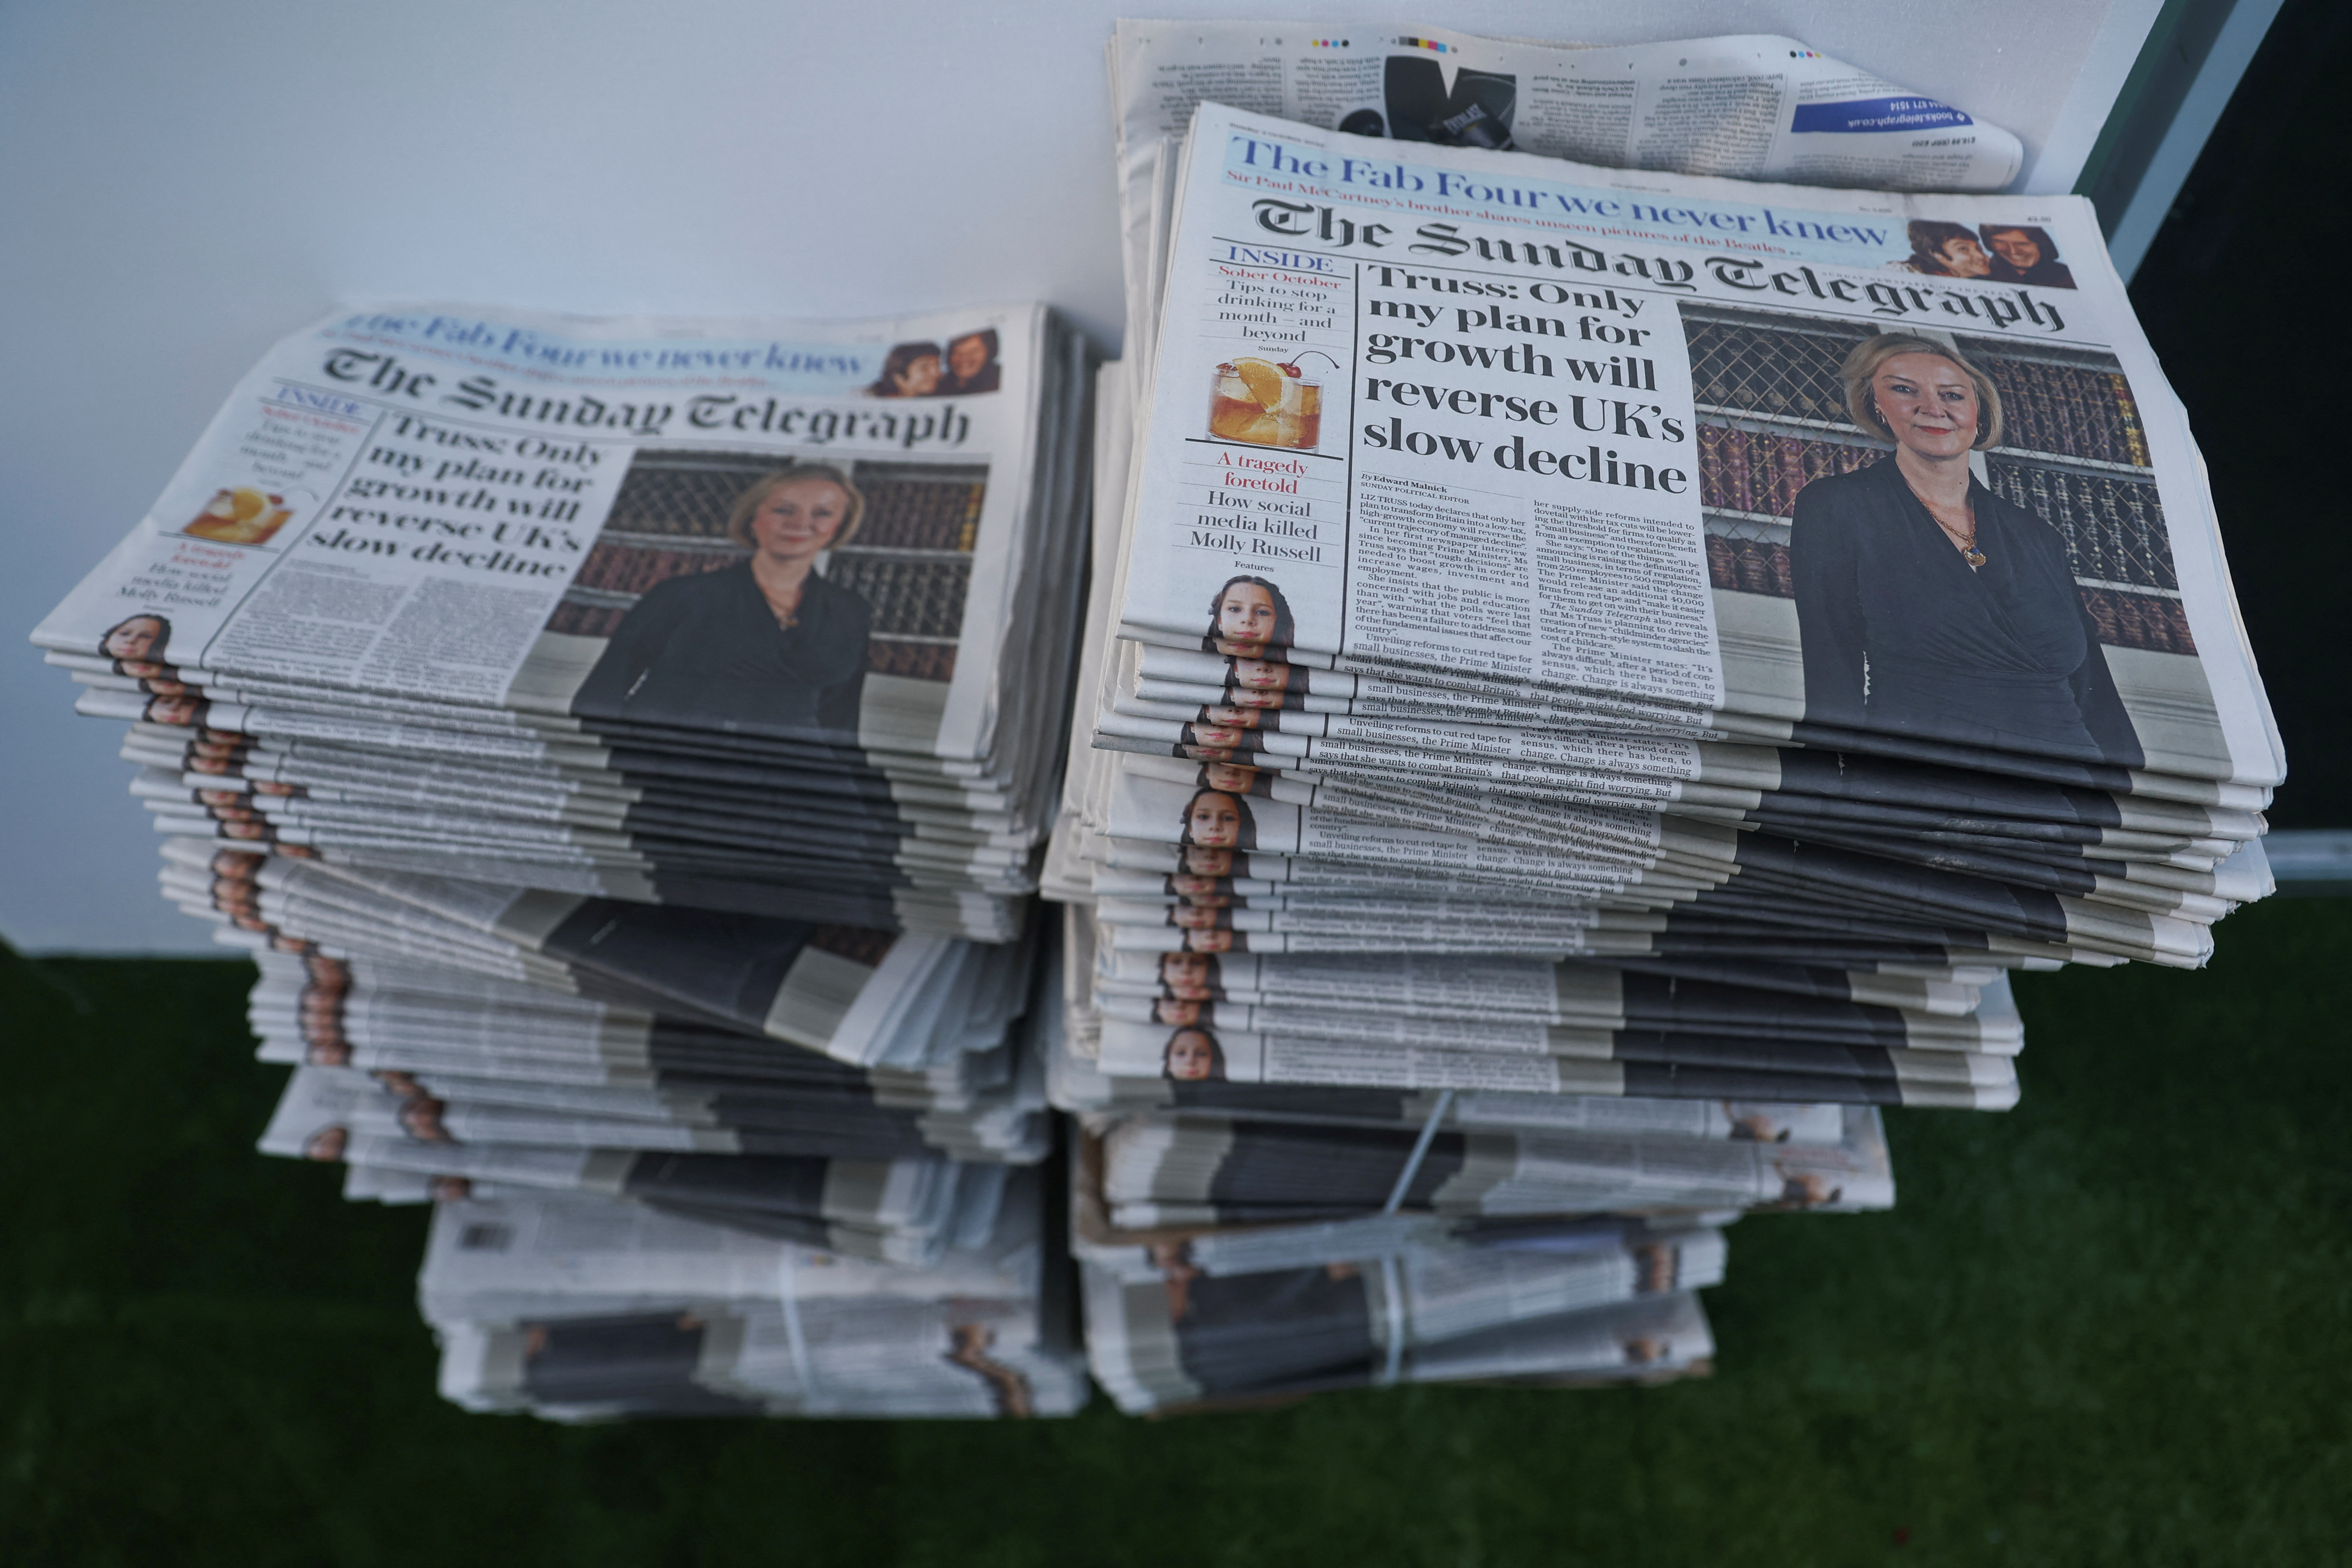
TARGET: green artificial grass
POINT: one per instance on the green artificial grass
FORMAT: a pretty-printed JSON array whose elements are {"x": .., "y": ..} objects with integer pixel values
[{"x": 2107, "y": 1326}]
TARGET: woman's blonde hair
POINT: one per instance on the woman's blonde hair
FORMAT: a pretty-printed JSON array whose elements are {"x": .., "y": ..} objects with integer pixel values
[
  {"x": 739, "y": 522},
  {"x": 1861, "y": 366}
]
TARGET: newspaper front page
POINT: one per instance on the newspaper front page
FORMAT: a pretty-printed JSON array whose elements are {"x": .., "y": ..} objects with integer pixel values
[
  {"x": 457, "y": 506},
  {"x": 1518, "y": 429}
]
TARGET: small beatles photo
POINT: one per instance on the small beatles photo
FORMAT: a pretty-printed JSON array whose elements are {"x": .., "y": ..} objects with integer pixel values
[{"x": 965, "y": 367}]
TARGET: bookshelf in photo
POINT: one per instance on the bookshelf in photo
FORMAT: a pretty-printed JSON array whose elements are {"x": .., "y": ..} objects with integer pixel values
[{"x": 1772, "y": 419}]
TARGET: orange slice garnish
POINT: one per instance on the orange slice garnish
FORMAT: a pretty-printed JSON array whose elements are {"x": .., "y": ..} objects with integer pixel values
[{"x": 1264, "y": 381}]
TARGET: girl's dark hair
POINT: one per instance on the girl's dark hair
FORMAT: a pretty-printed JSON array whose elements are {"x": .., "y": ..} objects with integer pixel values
[
  {"x": 1245, "y": 839},
  {"x": 1929, "y": 235},
  {"x": 159, "y": 654},
  {"x": 1216, "y": 1051},
  {"x": 895, "y": 363},
  {"x": 1285, "y": 630}
]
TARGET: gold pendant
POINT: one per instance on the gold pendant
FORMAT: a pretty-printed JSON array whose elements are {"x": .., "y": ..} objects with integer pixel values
[{"x": 1973, "y": 556}]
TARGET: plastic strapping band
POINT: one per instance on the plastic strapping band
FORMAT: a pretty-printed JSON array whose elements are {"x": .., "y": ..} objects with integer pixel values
[
  {"x": 1420, "y": 1152},
  {"x": 788, "y": 1284},
  {"x": 1392, "y": 1298},
  {"x": 1392, "y": 1272}
]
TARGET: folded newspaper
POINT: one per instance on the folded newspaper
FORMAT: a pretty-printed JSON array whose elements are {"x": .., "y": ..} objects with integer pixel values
[{"x": 580, "y": 1310}]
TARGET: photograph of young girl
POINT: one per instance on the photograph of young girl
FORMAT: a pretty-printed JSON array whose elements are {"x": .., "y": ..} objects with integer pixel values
[{"x": 1249, "y": 619}]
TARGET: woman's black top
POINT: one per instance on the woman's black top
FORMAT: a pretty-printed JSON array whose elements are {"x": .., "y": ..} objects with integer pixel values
[
  {"x": 706, "y": 651},
  {"x": 1900, "y": 634}
]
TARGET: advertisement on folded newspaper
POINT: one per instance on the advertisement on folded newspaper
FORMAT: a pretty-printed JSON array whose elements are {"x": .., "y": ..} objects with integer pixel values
[
  {"x": 611, "y": 519},
  {"x": 1755, "y": 106},
  {"x": 1515, "y": 426}
]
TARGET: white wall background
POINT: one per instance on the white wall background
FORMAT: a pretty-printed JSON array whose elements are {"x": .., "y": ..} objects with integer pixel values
[{"x": 181, "y": 184}]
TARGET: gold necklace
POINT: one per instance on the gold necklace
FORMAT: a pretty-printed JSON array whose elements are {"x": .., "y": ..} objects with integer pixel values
[
  {"x": 1966, "y": 547},
  {"x": 785, "y": 619}
]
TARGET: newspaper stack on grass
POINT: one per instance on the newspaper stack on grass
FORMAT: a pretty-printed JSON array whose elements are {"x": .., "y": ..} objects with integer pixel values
[
  {"x": 626, "y": 747},
  {"x": 759, "y": 616},
  {"x": 1596, "y": 668},
  {"x": 1366, "y": 1236},
  {"x": 580, "y": 1310}
]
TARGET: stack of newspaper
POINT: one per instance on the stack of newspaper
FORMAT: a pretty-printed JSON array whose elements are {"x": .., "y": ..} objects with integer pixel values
[
  {"x": 760, "y": 616},
  {"x": 1593, "y": 668},
  {"x": 626, "y": 747},
  {"x": 1244, "y": 1241},
  {"x": 580, "y": 1310}
]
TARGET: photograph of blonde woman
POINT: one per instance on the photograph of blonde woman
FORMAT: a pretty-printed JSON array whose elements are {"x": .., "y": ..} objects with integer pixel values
[
  {"x": 769, "y": 644},
  {"x": 1928, "y": 605}
]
